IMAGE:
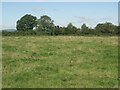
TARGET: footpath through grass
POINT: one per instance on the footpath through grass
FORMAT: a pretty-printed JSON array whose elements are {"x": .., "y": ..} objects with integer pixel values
[{"x": 59, "y": 62}]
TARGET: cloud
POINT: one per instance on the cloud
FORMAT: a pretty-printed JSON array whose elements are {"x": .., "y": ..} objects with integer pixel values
[
  {"x": 38, "y": 9},
  {"x": 55, "y": 10},
  {"x": 82, "y": 17},
  {"x": 90, "y": 21},
  {"x": 105, "y": 18}
]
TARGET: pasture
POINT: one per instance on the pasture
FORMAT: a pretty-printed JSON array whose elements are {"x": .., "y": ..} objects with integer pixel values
[{"x": 59, "y": 62}]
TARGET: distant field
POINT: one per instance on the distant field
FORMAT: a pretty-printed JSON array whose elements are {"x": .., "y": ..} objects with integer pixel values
[{"x": 60, "y": 62}]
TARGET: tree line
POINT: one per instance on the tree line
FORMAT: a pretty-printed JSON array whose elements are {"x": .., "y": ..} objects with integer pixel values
[{"x": 30, "y": 25}]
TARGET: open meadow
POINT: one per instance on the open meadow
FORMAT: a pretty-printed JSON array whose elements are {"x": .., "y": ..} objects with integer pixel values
[{"x": 59, "y": 61}]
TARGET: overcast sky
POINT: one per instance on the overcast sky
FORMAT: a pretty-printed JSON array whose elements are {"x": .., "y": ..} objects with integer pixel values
[{"x": 62, "y": 13}]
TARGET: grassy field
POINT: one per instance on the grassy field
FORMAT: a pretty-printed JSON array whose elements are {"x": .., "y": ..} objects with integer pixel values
[{"x": 60, "y": 62}]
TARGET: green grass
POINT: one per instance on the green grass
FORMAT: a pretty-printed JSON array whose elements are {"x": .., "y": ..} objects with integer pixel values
[{"x": 59, "y": 62}]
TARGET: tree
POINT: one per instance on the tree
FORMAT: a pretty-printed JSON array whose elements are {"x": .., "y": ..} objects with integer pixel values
[
  {"x": 45, "y": 23},
  {"x": 84, "y": 29},
  {"x": 106, "y": 28},
  {"x": 70, "y": 29},
  {"x": 57, "y": 30},
  {"x": 27, "y": 22}
]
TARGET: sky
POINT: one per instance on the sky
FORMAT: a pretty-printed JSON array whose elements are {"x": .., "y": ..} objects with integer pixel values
[{"x": 62, "y": 13}]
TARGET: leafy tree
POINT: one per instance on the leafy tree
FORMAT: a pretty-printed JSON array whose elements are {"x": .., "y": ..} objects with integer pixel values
[
  {"x": 27, "y": 22},
  {"x": 84, "y": 29},
  {"x": 106, "y": 28},
  {"x": 57, "y": 30},
  {"x": 45, "y": 23},
  {"x": 70, "y": 29},
  {"x": 62, "y": 30}
]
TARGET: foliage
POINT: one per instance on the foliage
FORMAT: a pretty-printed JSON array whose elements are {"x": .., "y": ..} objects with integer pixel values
[
  {"x": 30, "y": 25},
  {"x": 70, "y": 29},
  {"x": 27, "y": 22},
  {"x": 106, "y": 28},
  {"x": 45, "y": 24},
  {"x": 84, "y": 29}
]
